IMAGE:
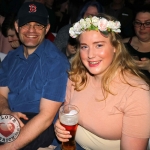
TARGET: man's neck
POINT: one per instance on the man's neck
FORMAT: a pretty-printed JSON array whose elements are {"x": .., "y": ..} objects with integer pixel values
[{"x": 28, "y": 51}]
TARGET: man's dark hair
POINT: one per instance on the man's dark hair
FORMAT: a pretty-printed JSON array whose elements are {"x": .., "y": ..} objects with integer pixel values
[{"x": 8, "y": 23}]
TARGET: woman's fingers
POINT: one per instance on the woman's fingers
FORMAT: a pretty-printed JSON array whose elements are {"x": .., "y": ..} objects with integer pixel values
[{"x": 61, "y": 132}]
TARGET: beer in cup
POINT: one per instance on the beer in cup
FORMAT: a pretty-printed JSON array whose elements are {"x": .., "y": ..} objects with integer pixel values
[{"x": 68, "y": 115}]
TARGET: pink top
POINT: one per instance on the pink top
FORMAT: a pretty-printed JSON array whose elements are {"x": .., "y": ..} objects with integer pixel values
[{"x": 127, "y": 111}]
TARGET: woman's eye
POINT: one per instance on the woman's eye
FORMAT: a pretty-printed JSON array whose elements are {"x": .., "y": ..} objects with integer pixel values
[
  {"x": 99, "y": 45},
  {"x": 83, "y": 47}
]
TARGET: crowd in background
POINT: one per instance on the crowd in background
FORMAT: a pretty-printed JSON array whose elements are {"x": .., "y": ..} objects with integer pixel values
[{"x": 135, "y": 29}]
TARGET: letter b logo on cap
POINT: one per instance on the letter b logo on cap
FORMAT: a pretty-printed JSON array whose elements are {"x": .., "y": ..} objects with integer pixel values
[{"x": 32, "y": 8}]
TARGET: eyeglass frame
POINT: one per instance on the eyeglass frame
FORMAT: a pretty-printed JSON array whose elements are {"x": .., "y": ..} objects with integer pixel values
[
  {"x": 141, "y": 24},
  {"x": 34, "y": 26}
]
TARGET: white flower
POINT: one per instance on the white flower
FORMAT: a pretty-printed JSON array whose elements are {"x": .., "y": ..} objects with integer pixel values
[
  {"x": 111, "y": 25},
  {"x": 117, "y": 30},
  {"x": 88, "y": 22},
  {"x": 102, "y": 24},
  {"x": 95, "y": 21},
  {"x": 77, "y": 27},
  {"x": 117, "y": 24},
  {"x": 83, "y": 23},
  {"x": 72, "y": 33}
]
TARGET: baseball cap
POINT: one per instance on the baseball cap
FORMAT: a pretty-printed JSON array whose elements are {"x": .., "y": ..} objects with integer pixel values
[{"x": 32, "y": 12}]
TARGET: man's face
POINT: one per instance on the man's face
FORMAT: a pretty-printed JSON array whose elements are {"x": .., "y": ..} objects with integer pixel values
[{"x": 32, "y": 34}]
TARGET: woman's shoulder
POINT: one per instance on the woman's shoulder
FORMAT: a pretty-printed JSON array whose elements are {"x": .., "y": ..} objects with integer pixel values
[
  {"x": 126, "y": 40},
  {"x": 135, "y": 81},
  {"x": 130, "y": 40}
]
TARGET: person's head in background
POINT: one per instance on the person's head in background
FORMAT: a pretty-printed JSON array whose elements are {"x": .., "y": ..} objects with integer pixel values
[
  {"x": 74, "y": 8},
  {"x": 142, "y": 23},
  {"x": 61, "y": 6},
  {"x": 8, "y": 30},
  {"x": 49, "y": 3},
  {"x": 91, "y": 8},
  {"x": 71, "y": 48},
  {"x": 39, "y": 1}
]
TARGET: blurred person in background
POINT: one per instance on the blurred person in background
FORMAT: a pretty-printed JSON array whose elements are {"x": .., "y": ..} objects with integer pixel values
[
  {"x": 5, "y": 46},
  {"x": 62, "y": 14},
  {"x": 9, "y": 31},
  {"x": 71, "y": 48},
  {"x": 124, "y": 14},
  {"x": 139, "y": 45},
  {"x": 51, "y": 13},
  {"x": 90, "y": 8}
]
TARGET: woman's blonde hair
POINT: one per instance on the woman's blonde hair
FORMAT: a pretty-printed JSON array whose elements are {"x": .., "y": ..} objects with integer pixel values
[{"x": 122, "y": 61}]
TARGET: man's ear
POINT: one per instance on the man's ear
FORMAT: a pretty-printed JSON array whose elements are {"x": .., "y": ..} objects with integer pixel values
[
  {"x": 47, "y": 28},
  {"x": 16, "y": 26}
]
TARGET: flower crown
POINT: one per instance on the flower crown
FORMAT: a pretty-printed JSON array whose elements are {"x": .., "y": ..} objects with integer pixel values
[{"x": 94, "y": 23}]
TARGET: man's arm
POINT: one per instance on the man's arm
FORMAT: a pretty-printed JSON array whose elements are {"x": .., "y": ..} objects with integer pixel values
[
  {"x": 4, "y": 108},
  {"x": 36, "y": 125}
]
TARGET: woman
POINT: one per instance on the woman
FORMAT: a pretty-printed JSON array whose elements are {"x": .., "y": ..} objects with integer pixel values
[
  {"x": 139, "y": 45},
  {"x": 106, "y": 85}
]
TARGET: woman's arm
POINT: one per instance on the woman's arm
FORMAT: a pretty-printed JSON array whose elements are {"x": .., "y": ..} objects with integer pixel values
[{"x": 130, "y": 143}]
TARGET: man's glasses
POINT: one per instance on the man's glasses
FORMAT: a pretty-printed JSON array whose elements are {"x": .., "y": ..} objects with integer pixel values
[
  {"x": 36, "y": 26},
  {"x": 140, "y": 24}
]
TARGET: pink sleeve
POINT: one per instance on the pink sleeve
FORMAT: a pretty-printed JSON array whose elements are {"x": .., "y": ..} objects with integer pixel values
[{"x": 136, "y": 120}]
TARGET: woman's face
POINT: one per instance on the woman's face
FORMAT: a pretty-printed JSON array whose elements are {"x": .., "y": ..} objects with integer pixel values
[
  {"x": 96, "y": 52},
  {"x": 142, "y": 32},
  {"x": 91, "y": 11}
]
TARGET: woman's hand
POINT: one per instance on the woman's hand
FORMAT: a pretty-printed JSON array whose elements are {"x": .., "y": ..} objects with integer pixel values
[
  {"x": 61, "y": 132},
  {"x": 143, "y": 64}
]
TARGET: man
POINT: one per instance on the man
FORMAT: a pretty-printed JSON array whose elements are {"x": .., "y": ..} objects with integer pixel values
[{"x": 33, "y": 80}]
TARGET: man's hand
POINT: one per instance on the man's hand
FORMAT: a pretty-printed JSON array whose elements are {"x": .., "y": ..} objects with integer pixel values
[{"x": 19, "y": 115}]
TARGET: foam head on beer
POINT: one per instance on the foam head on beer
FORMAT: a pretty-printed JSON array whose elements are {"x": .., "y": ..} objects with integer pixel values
[{"x": 72, "y": 112}]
